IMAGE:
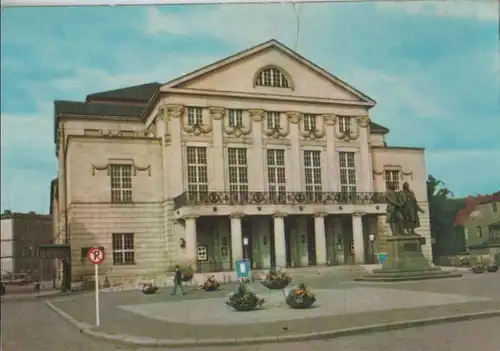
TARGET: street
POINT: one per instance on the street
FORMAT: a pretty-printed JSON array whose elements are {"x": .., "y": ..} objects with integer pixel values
[{"x": 30, "y": 325}]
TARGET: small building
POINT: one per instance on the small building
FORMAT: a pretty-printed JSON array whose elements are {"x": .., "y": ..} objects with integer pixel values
[
  {"x": 261, "y": 155},
  {"x": 22, "y": 234},
  {"x": 481, "y": 221}
]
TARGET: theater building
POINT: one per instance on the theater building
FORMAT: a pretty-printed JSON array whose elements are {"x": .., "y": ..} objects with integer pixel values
[{"x": 262, "y": 155}]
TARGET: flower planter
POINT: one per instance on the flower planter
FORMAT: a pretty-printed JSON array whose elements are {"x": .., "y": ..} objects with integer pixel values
[
  {"x": 211, "y": 285},
  {"x": 149, "y": 289},
  {"x": 276, "y": 280},
  {"x": 187, "y": 277},
  {"x": 478, "y": 269},
  {"x": 492, "y": 268},
  {"x": 300, "y": 298},
  {"x": 244, "y": 300}
]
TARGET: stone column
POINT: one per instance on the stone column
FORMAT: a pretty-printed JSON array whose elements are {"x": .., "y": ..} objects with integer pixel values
[
  {"x": 279, "y": 239},
  {"x": 236, "y": 237},
  {"x": 364, "y": 152},
  {"x": 358, "y": 238},
  {"x": 191, "y": 241},
  {"x": 320, "y": 238}
]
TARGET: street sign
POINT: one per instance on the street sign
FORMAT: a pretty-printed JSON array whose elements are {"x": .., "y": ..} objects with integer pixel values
[
  {"x": 242, "y": 268},
  {"x": 95, "y": 255},
  {"x": 382, "y": 257}
]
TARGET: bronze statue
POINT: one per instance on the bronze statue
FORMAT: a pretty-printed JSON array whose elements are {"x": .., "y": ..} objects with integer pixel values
[
  {"x": 394, "y": 215},
  {"x": 410, "y": 210}
]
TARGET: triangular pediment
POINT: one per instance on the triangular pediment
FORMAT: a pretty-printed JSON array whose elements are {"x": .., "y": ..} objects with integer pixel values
[{"x": 238, "y": 73}]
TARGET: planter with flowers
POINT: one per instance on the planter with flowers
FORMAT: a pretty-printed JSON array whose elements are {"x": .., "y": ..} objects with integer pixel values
[
  {"x": 149, "y": 288},
  {"x": 300, "y": 298},
  {"x": 211, "y": 284},
  {"x": 244, "y": 299},
  {"x": 276, "y": 279},
  {"x": 187, "y": 274},
  {"x": 478, "y": 269},
  {"x": 492, "y": 268}
]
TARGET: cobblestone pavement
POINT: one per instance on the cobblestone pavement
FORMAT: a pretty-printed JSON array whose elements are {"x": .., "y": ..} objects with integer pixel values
[
  {"x": 114, "y": 320},
  {"x": 32, "y": 326}
]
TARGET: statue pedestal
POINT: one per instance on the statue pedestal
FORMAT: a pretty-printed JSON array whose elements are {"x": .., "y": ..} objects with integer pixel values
[{"x": 405, "y": 262}]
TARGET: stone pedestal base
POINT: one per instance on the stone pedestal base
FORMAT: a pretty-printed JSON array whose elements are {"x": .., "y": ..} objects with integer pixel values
[{"x": 406, "y": 262}]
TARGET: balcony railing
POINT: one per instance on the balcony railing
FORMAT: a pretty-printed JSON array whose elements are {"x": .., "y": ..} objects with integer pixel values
[{"x": 214, "y": 198}]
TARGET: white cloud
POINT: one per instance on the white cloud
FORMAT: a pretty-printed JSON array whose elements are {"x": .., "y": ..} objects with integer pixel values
[{"x": 486, "y": 10}]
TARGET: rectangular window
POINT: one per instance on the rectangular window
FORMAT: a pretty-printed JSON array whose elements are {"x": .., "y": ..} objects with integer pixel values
[
  {"x": 121, "y": 183},
  {"x": 309, "y": 122},
  {"x": 494, "y": 232},
  {"x": 494, "y": 207},
  {"x": 347, "y": 172},
  {"x": 392, "y": 176},
  {"x": 195, "y": 116},
  {"x": 123, "y": 249},
  {"x": 276, "y": 174},
  {"x": 479, "y": 232},
  {"x": 312, "y": 172},
  {"x": 238, "y": 174},
  {"x": 197, "y": 173},
  {"x": 235, "y": 118},
  {"x": 344, "y": 124},
  {"x": 273, "y": 120}
]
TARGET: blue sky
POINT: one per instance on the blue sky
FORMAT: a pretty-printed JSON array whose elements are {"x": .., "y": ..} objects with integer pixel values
[{"x": 433, "y": 68}]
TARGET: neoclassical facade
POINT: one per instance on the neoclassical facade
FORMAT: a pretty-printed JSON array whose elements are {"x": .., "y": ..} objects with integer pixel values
[{"x": 262, "y": 155}]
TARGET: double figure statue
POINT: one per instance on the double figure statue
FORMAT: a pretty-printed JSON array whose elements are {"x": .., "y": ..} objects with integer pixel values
[{"x": 402, "y": 210}]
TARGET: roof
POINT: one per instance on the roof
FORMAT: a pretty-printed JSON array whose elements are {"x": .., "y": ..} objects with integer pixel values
[
  {"x": 142, "y": 92},
  {"x": 273, "y": 43},
  {"x": 471, "y": 203},
  {"x": 378, "y": 129},
  {"x": 97, "y": 109},
  {"x": 30, "y": 215}
]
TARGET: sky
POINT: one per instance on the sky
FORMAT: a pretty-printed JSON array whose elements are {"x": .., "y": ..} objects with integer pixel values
[{"x": 432, "y": 67}]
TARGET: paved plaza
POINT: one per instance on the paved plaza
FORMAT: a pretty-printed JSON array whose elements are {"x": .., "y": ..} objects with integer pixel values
[
  {"x": 340, "y": 305},
  {"x": 330, "y": 302}
]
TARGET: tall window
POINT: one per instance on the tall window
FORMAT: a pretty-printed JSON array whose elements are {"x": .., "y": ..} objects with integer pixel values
[
  {"x": 273, "y": 120},
  {"x": 235, "y": 118},
  {"x": 121, "y": 183},
  {"x": 347, "y": 172},
  {"x": 272, "y": 77},
  {"x": 197, "y": 173},
  {"x": 123, "y": 248},
  {"x": 238, "y": 173},
  {"x": 344, "y": 124},
  {"x": 392, "y": 176},
  {"x": 195, "y": 116},
  {"x": 276, "y": 172},
  {"x": 309, "y": 122},
  {"x": 494, "y": 207},
  {"x": 312, "y": 171},
  {"x": 479, "y": 232}
]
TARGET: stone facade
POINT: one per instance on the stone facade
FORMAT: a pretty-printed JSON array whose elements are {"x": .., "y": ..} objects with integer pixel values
[{"x": 262, "y": 155}]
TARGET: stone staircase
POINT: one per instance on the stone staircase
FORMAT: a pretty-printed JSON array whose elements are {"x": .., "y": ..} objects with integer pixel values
[{"x": 346, "y": 271}]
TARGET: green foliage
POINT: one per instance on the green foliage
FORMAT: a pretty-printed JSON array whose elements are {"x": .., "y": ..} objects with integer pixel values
[{"x": 443, "y": 209}]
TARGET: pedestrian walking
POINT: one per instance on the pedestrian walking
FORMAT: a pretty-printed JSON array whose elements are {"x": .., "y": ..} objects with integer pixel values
[{"x": 178, "y": 281}]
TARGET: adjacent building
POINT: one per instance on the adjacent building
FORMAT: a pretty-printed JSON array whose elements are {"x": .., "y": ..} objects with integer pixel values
[
  {"x": 21, "y": 235},
  {"x": 262, "y": 155},
  {"x": 480, "y": 219}
]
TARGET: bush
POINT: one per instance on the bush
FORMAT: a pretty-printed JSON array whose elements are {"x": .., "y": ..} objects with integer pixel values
[
  {"x": 275, "y": 280},
  {"x": 244, "y": 299},
  {"x": 301, "y": 297}
]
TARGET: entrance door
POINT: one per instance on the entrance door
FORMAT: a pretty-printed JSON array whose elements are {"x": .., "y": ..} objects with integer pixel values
[
  {"x": 311, "y": 241},
  {"x": 271, "y": 244}
]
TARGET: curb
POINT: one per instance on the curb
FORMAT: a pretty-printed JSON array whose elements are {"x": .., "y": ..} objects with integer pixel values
[{"x": 91, "y": 331}]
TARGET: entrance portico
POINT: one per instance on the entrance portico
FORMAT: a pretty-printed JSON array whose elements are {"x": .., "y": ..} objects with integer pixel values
[{"x": 282, "y": 239}]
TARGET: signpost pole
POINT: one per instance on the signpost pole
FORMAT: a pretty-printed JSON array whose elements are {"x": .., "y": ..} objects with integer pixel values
[{"x": 97, "y": 314}]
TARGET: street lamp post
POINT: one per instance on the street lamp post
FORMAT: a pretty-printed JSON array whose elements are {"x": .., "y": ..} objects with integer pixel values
[{"x": 245, "y": 248}]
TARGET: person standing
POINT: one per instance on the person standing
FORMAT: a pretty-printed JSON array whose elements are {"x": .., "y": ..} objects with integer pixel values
[{"x": 178, "y": 281}]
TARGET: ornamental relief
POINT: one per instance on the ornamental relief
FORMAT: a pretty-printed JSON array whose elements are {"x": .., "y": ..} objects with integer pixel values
[
  {"x": 405, "y": 174},
  {"x": 237, "y": 129},
  {"x": 352, "y": 133},
  {"x": 280, "y": 128},
  {"x": 312, "y": 127}
]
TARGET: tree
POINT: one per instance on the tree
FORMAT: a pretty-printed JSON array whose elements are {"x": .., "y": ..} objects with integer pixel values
[{"x": 442, "y": 212}]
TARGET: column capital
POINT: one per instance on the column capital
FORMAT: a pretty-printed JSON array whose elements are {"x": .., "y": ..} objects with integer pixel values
[
  {"x": 174, "y": 111},
  {"x": 236, "y": 215},
  {"x": 320, "y": 214},
  {"x": 358, "y": 214},
  {"x": 278, "y": 214},
  {"x": 217, "y": 112},
  {"x": 190, "y": 216}
]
